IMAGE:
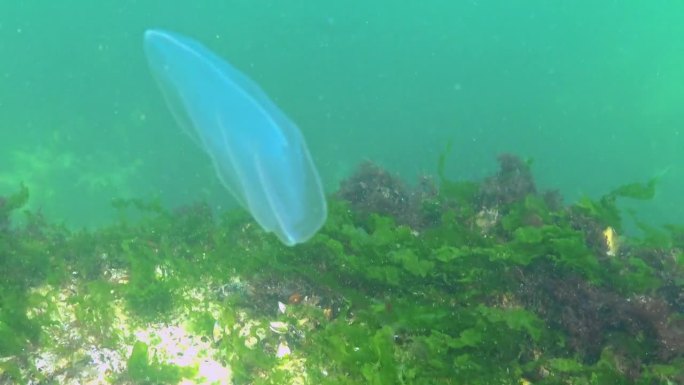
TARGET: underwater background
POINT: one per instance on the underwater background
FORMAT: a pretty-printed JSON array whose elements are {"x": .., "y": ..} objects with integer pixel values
[
  {"x": 591, "y": 92},
  {"x": 504, "y": 183}
]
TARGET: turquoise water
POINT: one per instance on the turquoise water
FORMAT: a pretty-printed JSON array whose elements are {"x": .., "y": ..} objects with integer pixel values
[{"x": 590, "y": 91}]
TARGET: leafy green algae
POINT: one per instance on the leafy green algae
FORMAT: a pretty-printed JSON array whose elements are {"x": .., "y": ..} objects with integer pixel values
[
  {"x": 145, "y": 370},
  {"x": 479, "y": 289}
]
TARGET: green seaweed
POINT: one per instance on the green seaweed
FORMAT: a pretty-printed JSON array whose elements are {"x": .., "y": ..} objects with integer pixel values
[
  {"x": 13, "y": 203},
  {"x": 606, "y": 210},
  {"x": 530, "y": 296},
  {"x": 150, "y": 292},
  {"x": 144, "y": 369}
]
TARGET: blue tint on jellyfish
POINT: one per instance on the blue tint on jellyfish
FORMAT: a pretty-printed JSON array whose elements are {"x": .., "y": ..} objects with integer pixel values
[{"x": 258, "y": 153}]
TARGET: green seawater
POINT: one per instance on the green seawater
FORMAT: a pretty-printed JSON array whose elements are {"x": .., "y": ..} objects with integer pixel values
[{"x": 590, "y": 91}]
